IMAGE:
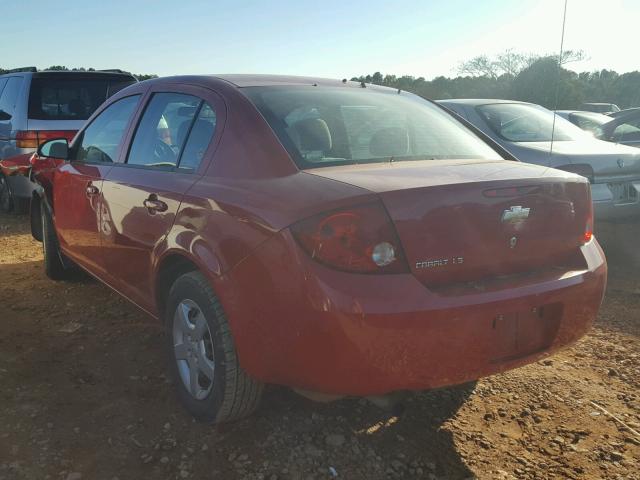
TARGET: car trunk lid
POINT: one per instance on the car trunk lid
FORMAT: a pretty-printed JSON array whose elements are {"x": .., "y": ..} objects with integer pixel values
[{"x": 465, "y": 221}]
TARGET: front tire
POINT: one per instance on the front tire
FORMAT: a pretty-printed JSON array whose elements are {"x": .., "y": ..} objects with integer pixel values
[
  {"x": 204, "y": 364},
  {"x": 6, "y": 195},
  {"x": 53, "y": 266}
]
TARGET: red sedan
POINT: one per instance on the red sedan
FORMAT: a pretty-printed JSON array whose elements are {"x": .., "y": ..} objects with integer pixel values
[{"x": 335, "y": 237}]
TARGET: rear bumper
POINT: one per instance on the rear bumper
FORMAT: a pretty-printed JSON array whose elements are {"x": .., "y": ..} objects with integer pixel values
[{"x": 317, "y": 329}]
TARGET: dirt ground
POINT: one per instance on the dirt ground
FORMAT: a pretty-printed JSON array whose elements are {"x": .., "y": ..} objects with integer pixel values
[{"x": 83, "y": 395}]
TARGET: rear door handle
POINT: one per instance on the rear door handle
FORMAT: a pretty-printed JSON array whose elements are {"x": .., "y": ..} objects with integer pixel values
[
  {"x": 154, "y": 205},
  {"x": 92, "y": 190}
]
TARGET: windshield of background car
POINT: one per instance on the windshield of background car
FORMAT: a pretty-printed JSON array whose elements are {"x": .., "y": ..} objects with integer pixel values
[
  {"x": 323, "y": 127},
  {"x": 517, "y": 122},
  {"x": 69, "y": 98}
]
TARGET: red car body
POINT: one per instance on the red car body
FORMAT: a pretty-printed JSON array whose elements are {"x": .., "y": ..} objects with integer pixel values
[
  {"x": 465, "y": 302},
  {"x": 16, "y": 165}
]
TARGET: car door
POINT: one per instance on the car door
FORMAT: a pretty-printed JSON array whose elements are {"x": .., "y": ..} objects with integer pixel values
[
  {"x": 142, "y": 195},
  {"x": 77, "y": 200}
]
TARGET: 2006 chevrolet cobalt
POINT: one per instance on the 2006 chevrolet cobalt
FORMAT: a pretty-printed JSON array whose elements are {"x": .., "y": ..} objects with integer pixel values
[{"x": 338, "y": 238}]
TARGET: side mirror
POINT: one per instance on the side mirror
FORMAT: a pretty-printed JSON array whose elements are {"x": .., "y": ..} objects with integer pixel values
[
  {"x": 56, "y": 148},
  {"x": 4, "y": 116}
]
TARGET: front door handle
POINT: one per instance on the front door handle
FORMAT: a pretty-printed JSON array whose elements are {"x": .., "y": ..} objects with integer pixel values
[
  {"x": 154, "y": 205},
  {"x": 92, "y": 190}
]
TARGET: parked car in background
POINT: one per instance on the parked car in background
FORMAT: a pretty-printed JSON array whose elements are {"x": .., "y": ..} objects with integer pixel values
[
  {"x": 589, "y": 121},
  {"x": 38, "y": 105},
  {"x": 600, "y": 107},
  {"x": 313, "y": 233},
  {"x": 622, "y": 112},
  {"x": 624, "y": 129},
  {"x": 524, "y": 129}
]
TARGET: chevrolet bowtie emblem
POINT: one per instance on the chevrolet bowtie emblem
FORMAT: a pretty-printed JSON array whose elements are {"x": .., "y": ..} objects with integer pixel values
[{"x": 515, "y": 214}]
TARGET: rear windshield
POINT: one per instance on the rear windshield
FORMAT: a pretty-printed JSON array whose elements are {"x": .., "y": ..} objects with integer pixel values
[
  {"x": 70, "y": 99},
  {"x": 323, "y": 127},
  {"x": 521, "y": 122}
]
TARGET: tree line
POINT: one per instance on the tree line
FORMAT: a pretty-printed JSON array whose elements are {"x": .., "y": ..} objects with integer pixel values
[
  {"x": 63, "y": 68},
  {"x": 544, "y": 80}
]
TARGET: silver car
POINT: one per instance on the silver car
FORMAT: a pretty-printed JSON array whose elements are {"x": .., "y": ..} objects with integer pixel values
[
  {"x": 524, "y": 129},
  {"x": 36, "y": 106}
]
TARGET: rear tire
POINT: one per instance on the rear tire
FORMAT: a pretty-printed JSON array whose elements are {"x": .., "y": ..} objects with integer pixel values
[
  {"x": 6, "y": 195},
  {"x": 53, "y": 266},
  {"x": 199, "y": 339}
]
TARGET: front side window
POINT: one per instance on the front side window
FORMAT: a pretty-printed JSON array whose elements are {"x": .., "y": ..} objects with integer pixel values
[
  {"x": 520, "y": 122},
  {"x": 175, "y": 130},
  {"x": 323, "y": 127},
  {"x": 101, "y": 139}
]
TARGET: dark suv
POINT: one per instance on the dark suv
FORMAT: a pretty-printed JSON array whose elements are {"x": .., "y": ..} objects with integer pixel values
[{"x": 36, "y": 106}]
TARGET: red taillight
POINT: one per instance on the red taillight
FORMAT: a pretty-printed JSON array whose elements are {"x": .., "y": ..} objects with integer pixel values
[
  {"x": 588, "y": 227},
  {"x": 360, "y": 239},
  {"x": 34, "y": 138},
  {"x": 27, "y": 139}
]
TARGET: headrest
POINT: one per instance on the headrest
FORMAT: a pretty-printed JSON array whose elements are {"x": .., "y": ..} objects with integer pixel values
[
  {"x": 314, "y": 135},
  {"x": 389, "y": 142}
]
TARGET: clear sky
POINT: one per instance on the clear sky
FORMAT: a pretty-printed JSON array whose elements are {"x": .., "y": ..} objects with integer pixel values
[{"x": 332, "y": 38}]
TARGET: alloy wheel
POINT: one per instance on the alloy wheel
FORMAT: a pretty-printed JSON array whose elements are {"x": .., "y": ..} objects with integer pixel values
[{"x": 193, "y": 349}]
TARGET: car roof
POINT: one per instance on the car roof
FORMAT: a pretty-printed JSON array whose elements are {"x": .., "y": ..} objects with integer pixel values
[
  {"x": 263, "y": 80},
  {"x": 478, "y": 101},
  {"x": 65, "y": 73}
]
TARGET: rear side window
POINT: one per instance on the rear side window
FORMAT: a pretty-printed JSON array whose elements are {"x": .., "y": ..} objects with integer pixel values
[
  {"x": 175, "y": 130},
  {"x": 9, "y": 96},
  {"x": 101, "y": 139},
  {"x": 199, "y": 138},
  {"x": 70, "y": 98}
]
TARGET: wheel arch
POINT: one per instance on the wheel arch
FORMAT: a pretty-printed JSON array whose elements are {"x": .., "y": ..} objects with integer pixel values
[{"x": 171, "y": 266}]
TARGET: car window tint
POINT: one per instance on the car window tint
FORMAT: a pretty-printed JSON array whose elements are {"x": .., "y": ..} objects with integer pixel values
[
  {"x": 522, "y": 122},
  {"x": 323, "y": 127},
  {"x": 3, "y": 82},
  {"x": 9, "y": 97},
  {"x": 628, "y": 131},
  {"x": 70, "y": 98},
  {"x": 101, "y": 139},
  {"x": 163, "y": 130},
  {"x": 199, "y": 138},
  {"x": 591, "y": 122}
]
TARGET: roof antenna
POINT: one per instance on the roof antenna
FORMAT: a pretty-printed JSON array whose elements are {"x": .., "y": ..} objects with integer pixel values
[{"x": 555, "y": 107}]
